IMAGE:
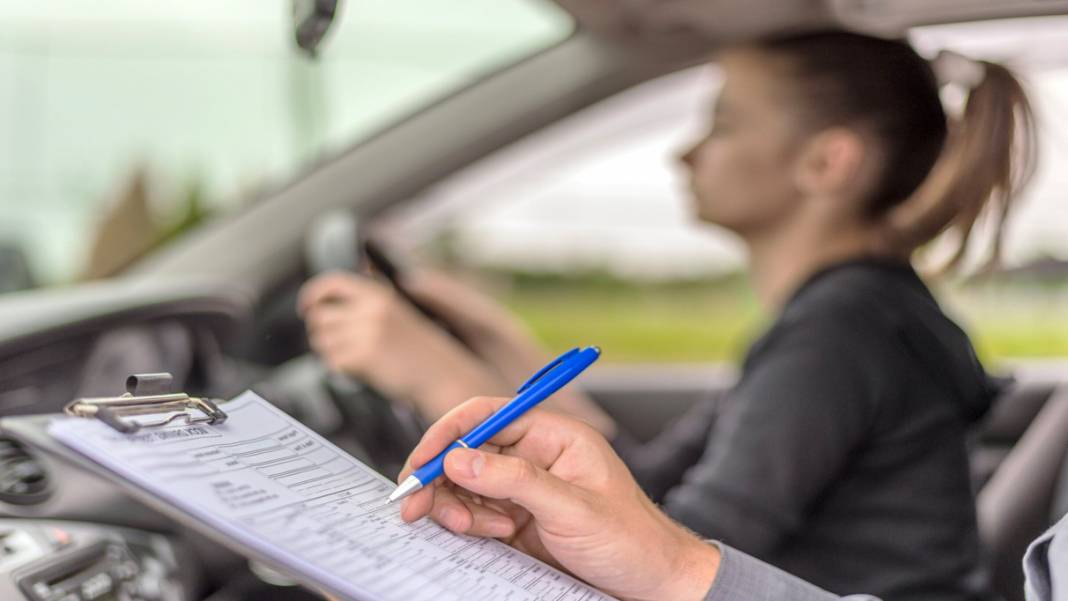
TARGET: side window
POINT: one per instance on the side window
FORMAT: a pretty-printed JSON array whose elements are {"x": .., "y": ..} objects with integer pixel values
[{"x": 584, "y": 229}]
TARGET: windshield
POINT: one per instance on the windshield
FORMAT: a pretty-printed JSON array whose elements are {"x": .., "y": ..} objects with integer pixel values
[{"x": 126, "y": 122}]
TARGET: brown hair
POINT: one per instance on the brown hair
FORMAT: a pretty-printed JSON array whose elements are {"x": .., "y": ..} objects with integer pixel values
[{"x": 939, "y": 174}]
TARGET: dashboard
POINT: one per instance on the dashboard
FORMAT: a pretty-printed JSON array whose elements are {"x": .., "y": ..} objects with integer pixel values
[
  {"x": 64, "y": 349},
  {"x": 44, "y": 560},
  {"x": 66, "y": 534}
]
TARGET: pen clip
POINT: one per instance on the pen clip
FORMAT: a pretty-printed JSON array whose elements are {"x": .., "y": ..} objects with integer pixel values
[{"x": 541, "y": 372}]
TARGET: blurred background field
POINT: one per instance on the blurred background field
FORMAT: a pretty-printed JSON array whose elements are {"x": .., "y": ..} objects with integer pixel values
[
  {"x": 713, "y": 321},
  {"x": 676, "y": 322}
]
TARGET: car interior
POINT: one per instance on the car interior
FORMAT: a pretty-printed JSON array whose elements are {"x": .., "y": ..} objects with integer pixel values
[{"x": 214, "y": 308}]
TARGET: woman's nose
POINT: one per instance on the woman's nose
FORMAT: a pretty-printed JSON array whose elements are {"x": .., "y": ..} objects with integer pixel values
[{"x": 687, "y": 155}]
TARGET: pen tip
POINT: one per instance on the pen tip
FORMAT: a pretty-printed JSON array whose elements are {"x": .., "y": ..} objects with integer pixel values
[{"x": 410, "y": 485}]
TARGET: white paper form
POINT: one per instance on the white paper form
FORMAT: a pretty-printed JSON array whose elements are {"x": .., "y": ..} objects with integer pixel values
[{"x": 272, "y": 484}]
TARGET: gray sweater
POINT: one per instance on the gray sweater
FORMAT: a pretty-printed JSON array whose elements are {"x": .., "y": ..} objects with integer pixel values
[{"x": 742, "y": 578}]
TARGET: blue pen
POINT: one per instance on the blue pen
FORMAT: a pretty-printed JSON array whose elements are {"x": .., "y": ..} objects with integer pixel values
[{"x": 539, "y": 387}]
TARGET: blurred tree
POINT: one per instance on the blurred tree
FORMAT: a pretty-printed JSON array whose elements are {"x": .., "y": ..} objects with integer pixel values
[
  {"x": 126, "y": 231},
  {"x": 129, "y": 230}
]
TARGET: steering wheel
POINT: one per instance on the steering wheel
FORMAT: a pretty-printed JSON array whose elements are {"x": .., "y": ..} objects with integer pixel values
[{"x": 386, "y": 430}]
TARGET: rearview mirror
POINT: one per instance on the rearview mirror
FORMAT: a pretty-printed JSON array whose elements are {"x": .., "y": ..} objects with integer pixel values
[{"x": 311, "y": 21}]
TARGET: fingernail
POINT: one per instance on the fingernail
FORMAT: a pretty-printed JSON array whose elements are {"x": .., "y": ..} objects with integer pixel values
[{"x": 467, "y": 463}]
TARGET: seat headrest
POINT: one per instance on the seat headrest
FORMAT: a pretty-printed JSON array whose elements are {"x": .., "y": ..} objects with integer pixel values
[{"x": 1059, "y": 506}]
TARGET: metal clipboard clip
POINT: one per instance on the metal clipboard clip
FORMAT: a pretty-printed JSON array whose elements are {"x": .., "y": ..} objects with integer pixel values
[{"x": 146, "y": 394}]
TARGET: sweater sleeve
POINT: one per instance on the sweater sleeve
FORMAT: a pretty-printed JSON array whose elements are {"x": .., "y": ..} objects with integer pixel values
[
  {"x": 803, "y": 404},
  {"x": 743, "y": 578}
]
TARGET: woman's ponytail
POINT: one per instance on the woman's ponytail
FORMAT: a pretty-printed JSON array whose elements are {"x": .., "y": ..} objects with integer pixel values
[
  {"x": 989, "y": 157},
  {"x": 940, "y": 174}
]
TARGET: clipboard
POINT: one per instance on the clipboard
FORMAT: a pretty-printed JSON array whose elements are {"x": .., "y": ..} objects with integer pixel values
[
  {"x": 147, "y": 406},
  {"x": 146, "y": 394}
]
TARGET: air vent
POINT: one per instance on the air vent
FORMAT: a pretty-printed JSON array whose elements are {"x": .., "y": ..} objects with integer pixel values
[{"x": 23, "y": 480}]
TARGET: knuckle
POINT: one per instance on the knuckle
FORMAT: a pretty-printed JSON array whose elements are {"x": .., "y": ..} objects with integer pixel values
[
  {"x": 525, "y": 472},
  {"x": 578, "y": 430},
  {"x": 588, "y": 434}
]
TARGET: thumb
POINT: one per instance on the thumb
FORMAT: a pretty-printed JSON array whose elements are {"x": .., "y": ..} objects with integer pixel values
[{"x": 546, "y": 497}]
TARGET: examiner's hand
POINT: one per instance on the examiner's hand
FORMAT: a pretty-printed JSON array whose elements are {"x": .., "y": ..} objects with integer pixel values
[
  {"x": 363, "y": 328},
  {"x": 552, "y": 487}
]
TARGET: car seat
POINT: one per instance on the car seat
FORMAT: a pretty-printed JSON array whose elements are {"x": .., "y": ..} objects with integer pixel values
[{"x": 1016, "y": 504}]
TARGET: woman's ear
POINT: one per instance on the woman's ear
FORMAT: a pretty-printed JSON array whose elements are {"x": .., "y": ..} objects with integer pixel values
[{"x": 831, "y": 165}]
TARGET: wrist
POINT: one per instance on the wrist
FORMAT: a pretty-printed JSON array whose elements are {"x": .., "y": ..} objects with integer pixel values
[{"x": 695, "y": 567}]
